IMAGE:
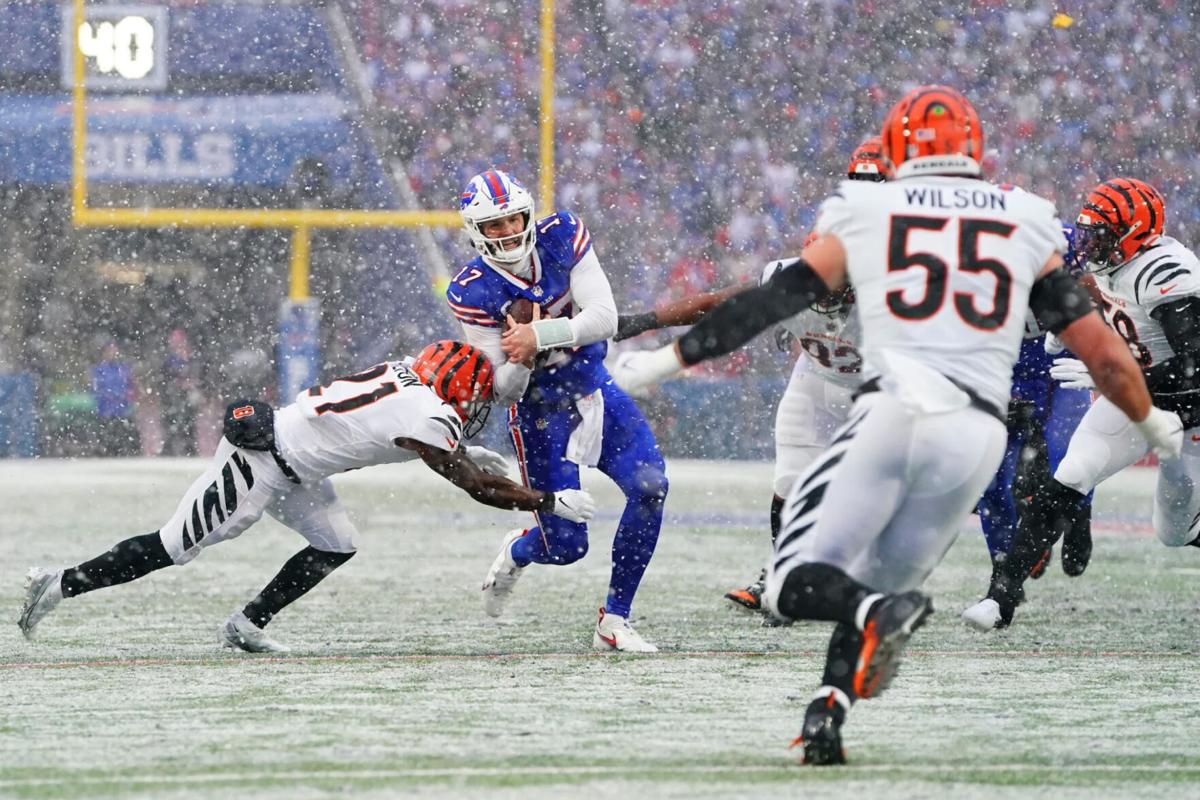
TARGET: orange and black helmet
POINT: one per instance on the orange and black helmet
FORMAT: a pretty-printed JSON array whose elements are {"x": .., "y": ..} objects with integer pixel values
[
  {"x": 1118, "y": 218},
  {"x": 462, "y": 376},
  {"x": 934, "y": 130},
  {"x": 867, "y": 163}
]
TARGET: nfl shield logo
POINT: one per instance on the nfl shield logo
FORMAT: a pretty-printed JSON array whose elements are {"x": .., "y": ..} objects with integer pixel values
[{"x": 536, "y": 291}]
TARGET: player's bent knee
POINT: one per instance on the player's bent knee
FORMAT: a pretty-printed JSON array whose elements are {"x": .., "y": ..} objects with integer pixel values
[
  {"x": 1072, "y": 474},
  {"x": 1173, "y": 532},
  {"x": 650, "y": 483},
  {"x": 784, "y": 483}
]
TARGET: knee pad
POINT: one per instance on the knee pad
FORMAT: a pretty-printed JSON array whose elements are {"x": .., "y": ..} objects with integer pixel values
[{"x": 1074, "y": 474}]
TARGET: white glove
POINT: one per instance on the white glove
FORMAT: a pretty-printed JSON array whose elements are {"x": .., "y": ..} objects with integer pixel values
[
  {"x": 1163, "y": 431},
  {"x": 1052, "y": 345},
  {"x": 574, "y": 504},
  {"x": 637, "y": 370},
  {"x": 489, "y": 461},
  {"x": 1072, "y": 374}
]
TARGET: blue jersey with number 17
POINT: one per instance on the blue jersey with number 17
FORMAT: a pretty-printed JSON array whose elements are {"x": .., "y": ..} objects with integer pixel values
[{"x": 481, "y": 294}]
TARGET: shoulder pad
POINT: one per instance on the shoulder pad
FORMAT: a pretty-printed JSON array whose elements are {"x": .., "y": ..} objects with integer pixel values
[
  {"x": 565, "y": 236},
  {"x": 471, "y": 297}
]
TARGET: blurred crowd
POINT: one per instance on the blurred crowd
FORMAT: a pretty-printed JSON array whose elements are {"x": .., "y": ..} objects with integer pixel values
[{"x": 695, "y": 137}]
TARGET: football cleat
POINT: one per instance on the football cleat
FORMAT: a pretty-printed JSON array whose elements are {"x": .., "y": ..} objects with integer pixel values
[
  {"x": 750, "y": 597},
  {"x": 502, "y": 577},
  {"x": 987, "y": 615},
  {"x": 239, "y": 633},
  {"x": 1076, "y": 549},
  {"x": 889, "y": 625},
  {"x": 615, "y": 634},
  {"x": 821, "y": 735},
  {"x": 43, "y": 591}
]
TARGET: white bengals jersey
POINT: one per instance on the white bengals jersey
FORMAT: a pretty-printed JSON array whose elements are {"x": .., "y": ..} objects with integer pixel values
[
  {"x": 942, "y": 268},
  {"x": 1163, "y": 273},
  {"x": 831, "y": 343},
  {"x": 353, "y": 422}
]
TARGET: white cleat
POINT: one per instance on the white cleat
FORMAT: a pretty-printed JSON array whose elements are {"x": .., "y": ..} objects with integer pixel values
[
  {"x": 615, "y": 634},
  {"x": 502, "y": 577},
  {"x": 239, "y": 633},
  {"x": 43, "y": 591},
  {"x": 984, "y": 616}
]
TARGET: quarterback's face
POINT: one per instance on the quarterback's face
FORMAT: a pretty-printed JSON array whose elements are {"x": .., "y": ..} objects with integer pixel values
[{"x": 507, "y": 229}]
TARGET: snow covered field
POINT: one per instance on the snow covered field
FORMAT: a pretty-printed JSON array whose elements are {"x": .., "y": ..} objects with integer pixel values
[{"x": 400, "y": 686}]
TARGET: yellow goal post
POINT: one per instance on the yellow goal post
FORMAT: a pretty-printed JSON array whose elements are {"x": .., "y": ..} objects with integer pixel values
[{"x": 300, "y": 221}]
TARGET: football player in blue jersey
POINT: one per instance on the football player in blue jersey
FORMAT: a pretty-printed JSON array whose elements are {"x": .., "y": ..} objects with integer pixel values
[
  {"x": 1041, "y": 419},
  {"x": 565, "y": 411}
]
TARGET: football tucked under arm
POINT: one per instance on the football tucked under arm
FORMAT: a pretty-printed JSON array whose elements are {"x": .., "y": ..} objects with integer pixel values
[{"x": 510, "y": 380}]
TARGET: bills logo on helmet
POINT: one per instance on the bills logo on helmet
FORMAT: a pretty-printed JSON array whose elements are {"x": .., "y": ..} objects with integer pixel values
[{"x": 468, "y": 195}]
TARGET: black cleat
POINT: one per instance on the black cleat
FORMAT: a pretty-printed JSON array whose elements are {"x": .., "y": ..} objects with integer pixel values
[
  {"x": 821, "y": 736},
  {"x": 1077, "y": 548},
  {"x": 890, "y": 625}
]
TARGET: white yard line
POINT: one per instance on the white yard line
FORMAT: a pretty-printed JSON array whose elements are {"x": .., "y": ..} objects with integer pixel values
[
  {"x": 626, "y": 770},
  {"x": 234, "y": 660}
]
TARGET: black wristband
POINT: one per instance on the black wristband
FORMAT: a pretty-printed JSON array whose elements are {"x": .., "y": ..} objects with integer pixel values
[
  {"x": 630, "y": 325},
  {"x": 547, "y": 504}
]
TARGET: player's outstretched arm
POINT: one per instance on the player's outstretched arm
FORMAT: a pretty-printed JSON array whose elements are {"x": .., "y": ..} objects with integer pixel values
[
  {"x": 687, "y": 311},
  {"x": 493, "y": 490},
  {"x": 735, "y": 321},
  {"x": 1062, "y": 306}
]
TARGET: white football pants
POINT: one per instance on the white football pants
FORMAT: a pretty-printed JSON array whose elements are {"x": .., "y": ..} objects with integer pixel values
[
  {"x": 1106, "y": 442},
  {"x": 885, "y": 501},
  {"x": 235, "y": 490},
  {"x": 809, "y": 412}
]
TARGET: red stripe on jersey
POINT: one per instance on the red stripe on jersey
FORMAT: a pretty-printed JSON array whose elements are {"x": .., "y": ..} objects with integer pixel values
[{"x": 468, "y": 310}]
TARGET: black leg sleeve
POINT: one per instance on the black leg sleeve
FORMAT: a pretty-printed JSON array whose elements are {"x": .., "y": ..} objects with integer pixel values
[
  {"x": 842, "y": 659},
  {"x": 1053, "y": 510},
  {"x": 821, "y": 592},
  {"x": 776, "y": 517},
  {"x": 128, "y": 561},
  {"x": 298, "y": 576}
]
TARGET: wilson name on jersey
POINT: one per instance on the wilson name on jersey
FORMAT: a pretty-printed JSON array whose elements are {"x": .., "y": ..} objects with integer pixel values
[
  {"x": 831, "y": 344},
  {"x": 1163, "y": 273},
  {"x": 354, "y": 421},
  {"x": 942, "y": 268},
  {"x": 481, "y": 294}
]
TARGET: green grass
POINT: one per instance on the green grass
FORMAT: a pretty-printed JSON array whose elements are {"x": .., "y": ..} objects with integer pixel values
[{"x": 400, "y": 686}]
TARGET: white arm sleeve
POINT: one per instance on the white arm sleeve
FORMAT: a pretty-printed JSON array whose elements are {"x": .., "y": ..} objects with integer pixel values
[
  {"x": 597, "y": 317},
  {"x": 510, "y": 379}
]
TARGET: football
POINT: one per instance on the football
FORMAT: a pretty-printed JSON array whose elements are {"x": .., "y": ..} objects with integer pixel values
[{"x": 521, "y": 310}]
